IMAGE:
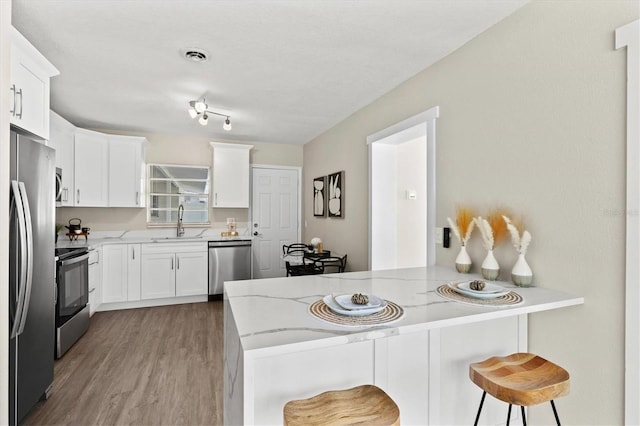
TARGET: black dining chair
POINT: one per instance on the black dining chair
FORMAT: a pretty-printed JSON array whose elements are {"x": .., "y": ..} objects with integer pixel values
[
  {"x": 294, "y": 248},
  {"x": 306, "y": 267},
  {"x": 331, "y": 264},
  {"x": 303, "y": 269}
]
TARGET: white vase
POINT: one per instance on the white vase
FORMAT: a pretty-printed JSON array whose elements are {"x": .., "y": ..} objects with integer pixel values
[
  {"x": 463, "y": 261},
  {"x": 490, "y": 268},
  {"x": 521, "y": 273}
]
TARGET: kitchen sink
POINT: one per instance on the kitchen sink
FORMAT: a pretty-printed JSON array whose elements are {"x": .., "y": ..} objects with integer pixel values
[{"x": 171, "y": 239}]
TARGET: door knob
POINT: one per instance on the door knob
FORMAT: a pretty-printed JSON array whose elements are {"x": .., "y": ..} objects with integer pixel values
[{"x": 255, "y": 234}]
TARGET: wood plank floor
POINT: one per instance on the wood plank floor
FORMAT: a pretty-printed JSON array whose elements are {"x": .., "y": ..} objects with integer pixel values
[{"x": 150, "y": 366}]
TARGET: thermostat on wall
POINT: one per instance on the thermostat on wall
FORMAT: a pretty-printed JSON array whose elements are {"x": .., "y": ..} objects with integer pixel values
[{"x": 411, "y": 194}]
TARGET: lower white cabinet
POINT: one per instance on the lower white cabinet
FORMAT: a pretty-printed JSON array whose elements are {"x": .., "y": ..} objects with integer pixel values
[
  {"x": 121, "y": 272},
  {"x": 95, "y": 280},
  {"x": 170, "y": 270}
]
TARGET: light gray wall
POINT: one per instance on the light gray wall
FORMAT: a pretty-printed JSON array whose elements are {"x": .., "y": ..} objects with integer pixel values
[
  {"x": 167, "y": 149},
  {"x": 532, "y": 118}
]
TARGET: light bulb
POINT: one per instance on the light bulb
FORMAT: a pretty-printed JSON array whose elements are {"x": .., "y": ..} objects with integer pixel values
[
  {"x": 204, "y": 119},
  {"x": 193, "y": 113},
  {"x": 200, "y": 106},
  {"x": 227, "y": 124}
]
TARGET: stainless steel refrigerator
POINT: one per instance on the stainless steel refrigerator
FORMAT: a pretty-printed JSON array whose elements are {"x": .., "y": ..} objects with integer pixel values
[{"x": 31, "y": 274}]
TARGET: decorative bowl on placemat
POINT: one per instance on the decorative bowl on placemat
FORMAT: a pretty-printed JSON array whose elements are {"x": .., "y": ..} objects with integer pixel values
[
  {"x": 490, "y": 290},
  {"x": 335, "y": 307}
]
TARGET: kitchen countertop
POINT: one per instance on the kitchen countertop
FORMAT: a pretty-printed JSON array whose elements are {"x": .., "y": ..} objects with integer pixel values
[
  {"x": 272, "y": 315},
  {"x": 160, "y": 236}
]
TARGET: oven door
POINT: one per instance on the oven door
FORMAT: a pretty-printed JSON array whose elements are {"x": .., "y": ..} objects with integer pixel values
[{"x": 73, "y": 286}]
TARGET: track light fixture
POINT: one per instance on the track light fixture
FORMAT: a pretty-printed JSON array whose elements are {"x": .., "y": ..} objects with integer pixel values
[{"x": 200, "y": 109}]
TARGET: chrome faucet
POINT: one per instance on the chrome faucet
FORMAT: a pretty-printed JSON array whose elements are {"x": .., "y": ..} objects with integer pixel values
[{"x": 180, "y": 230}]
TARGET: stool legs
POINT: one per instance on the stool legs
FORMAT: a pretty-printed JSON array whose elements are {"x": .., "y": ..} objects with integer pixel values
[
  {"x": 524, "y": 417},
  {"x": 480, "y": 408},
  {"x": 555, "y": 413}
]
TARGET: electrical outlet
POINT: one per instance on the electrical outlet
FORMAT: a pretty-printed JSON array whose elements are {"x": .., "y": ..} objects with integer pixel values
[
  {"x": 439, "y": 235},
  {"x": 446, "y": 237}
]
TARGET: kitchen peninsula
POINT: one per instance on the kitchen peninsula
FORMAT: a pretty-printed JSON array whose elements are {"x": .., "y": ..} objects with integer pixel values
[{"x": 276, "y": 350}]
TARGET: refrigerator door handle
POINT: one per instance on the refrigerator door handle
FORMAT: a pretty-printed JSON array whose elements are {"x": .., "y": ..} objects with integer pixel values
[
  {"x": 29, "y": 229},
  {"x": 16, "y": 205}
]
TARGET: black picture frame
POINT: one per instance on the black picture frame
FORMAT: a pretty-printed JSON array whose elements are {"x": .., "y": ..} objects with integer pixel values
[
  {"x": 335, "y": 194},
  {"x": 320, "y": 196}
]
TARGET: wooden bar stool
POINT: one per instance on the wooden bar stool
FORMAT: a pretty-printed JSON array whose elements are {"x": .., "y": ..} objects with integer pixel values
[
  {"x": 365, "y": 404},
  {"x": 522, "y": 379}
]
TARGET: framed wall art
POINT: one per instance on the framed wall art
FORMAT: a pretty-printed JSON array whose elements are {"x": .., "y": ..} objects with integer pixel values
[
  {"x": 335, "y": 191},
  {"x": 319, "y": 196}
]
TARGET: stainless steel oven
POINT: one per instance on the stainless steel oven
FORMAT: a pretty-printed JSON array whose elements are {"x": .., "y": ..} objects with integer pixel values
[{"x": 72, "y": 296}]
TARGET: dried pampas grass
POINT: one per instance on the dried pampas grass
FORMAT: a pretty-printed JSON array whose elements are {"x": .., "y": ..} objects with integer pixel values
[
  {"x": 520, "y": 238},
  {"x": 498, "y": 226},
  {"x": 463, "y": 225},
  {"x": 493, "y": 229}
]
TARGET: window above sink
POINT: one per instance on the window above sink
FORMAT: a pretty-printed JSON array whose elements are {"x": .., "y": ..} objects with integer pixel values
[{"x": 170, "y": 186}]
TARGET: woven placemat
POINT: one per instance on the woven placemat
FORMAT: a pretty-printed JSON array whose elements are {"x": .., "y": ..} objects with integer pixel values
[
  {"x": 509, "y": 299},
  {"x": 392, "y": 312}
]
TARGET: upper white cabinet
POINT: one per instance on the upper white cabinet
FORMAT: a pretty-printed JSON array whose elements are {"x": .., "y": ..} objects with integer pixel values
[
  {"x": 126, "y": 171},
  {"x": 61, "y": 138},
  {"x": 108, "y": 169},
  {"x": 230, "y": 175},
  {"x": 91, "y": 169},
  {"x": 29, "y": 97}
]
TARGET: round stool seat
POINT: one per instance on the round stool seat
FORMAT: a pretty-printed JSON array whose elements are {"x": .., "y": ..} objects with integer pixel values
[
  {"x": 365, "y": 404},
  {"x": 521, "y": 379}
]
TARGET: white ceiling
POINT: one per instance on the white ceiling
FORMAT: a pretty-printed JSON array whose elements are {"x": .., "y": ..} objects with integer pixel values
[{"x": 285, "y": 70}]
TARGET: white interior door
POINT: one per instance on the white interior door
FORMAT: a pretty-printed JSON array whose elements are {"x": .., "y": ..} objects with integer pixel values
[{"x": 275, "y": 217}]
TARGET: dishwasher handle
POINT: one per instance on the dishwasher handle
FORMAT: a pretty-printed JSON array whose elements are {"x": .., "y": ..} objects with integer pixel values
[{"x": 236, "y": 243}]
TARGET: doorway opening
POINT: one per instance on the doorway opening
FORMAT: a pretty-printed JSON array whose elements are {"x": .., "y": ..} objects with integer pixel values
[{"x": 402, "y": 193}]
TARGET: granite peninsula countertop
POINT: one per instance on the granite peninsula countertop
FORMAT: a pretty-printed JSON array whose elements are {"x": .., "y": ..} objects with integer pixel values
[{"x": 272, "y": 317}]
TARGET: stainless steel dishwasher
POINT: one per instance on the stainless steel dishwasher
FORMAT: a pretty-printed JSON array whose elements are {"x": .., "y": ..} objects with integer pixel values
[{"x": 228, "y": 261}]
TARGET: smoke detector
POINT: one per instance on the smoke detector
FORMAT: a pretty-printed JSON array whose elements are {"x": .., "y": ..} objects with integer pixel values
[{"x": 194, "y": 54}]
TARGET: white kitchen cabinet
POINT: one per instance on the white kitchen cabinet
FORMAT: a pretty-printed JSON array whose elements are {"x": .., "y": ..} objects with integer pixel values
[
  {"x": 121, "y": 272},
  {"x": 91, "y": 169},
  {"x": 191, "y": 273},
  {"x": 126, "y": 171},
  {"x": 158, "y": 275},
  {"x": 30, "y": 75},
  {"x": 95, "y": 280},
  {"x": 170, "y": 270},
  {"x": 230, "y": 175},
  {"x": 61, "y": 138}
]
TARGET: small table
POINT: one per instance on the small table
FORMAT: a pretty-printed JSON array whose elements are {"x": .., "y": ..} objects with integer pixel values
[
  {"x": 298, "y": 259},
  {"x": 73, "y": 236}
]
